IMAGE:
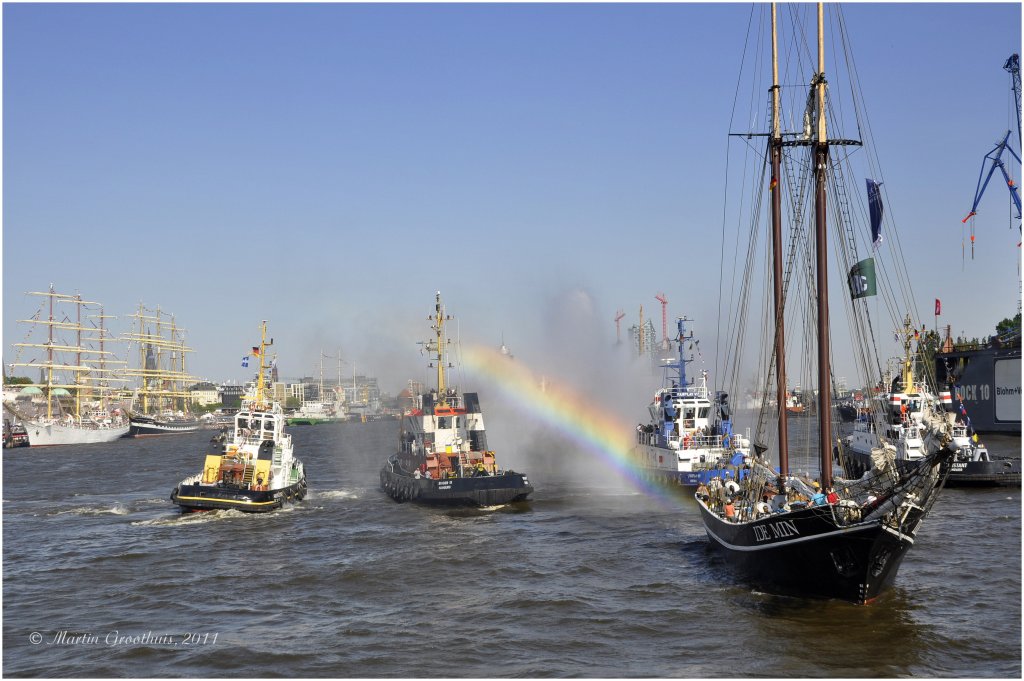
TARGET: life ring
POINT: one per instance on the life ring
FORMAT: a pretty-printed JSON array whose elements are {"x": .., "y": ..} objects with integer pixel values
[{"x": 686, "y": 442}]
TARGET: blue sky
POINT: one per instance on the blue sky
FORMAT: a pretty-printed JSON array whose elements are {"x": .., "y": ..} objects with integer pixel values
[{"x": 327, "y": 167}]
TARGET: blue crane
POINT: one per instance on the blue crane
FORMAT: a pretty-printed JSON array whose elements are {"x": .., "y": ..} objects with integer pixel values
[{"x": 1012, "y": 65}]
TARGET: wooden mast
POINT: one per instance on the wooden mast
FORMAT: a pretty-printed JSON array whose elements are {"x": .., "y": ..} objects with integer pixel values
[
  {"x": 775, "y": 146},
  {"x": 821, "y": 255}
]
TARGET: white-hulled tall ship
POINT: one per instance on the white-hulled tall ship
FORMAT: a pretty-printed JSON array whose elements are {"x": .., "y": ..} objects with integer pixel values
[
  {"x": 689, "y": 439},
  {"x": 160, "y": 404},
  {"x": 256, "y": 470},
  {"x": 442, "y": 456},
  {"x": 75, "y": 407}
]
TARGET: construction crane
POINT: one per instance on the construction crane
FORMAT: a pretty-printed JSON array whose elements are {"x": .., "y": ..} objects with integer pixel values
[
  {"x": 618, "y": 333},
  {"x": 664, "y": 319},
  {"x": 1012, "y": 65}
]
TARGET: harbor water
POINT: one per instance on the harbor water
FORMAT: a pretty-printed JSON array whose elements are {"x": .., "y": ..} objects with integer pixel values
[{"x": 103, "y": 577}]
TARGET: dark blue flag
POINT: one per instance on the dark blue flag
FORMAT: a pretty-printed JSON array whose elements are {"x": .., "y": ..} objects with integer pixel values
[{"x": 875, "y": 207}]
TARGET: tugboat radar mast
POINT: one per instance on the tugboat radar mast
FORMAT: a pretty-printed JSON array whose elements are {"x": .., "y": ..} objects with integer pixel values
[
  {"x": 438, "y": 349},
  {"x": 262, "y": 398}
]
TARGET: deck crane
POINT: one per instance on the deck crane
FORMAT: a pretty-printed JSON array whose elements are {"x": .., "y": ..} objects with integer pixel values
[
  {"x": 664, "y": 319},
  {"x": 618, "y": 333},
  {"x": 1012, "y": 65}
]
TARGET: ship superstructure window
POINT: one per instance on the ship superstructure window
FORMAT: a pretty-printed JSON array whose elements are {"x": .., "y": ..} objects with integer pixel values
[{"x": 442, "y": 422}]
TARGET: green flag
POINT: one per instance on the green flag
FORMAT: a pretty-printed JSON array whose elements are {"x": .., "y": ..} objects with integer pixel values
[{"x": 862, "y": 279}]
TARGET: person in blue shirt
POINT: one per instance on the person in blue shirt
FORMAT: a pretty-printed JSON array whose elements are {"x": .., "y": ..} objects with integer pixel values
[{"x": 819, "y": 498}]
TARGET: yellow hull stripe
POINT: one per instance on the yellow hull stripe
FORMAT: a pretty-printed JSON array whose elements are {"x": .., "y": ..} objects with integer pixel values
[{"x": 228, "y": 501}]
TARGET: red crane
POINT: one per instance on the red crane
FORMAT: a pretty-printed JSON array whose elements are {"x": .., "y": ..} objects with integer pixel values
[
  {"x": 618, "y": 318},
  {"x": 664, "y": 317}
]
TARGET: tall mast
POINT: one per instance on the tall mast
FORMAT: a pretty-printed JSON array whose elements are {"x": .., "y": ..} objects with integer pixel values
[
  {"x": 103, "y": 381},
  {"x": 821, "y": 254},
  {"x": 49, "y": 362},
  {"x": 775, "y": 146},
  {"x": 159, "y": 361},
  {"x": 142, "y": 361},
  {"x": 78, "y": 355}
]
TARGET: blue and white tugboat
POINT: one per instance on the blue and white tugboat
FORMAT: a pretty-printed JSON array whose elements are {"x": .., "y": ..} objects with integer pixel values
[
  {"x": 256, "y": 470},
  {"x": 689, "y": 440},
  {"x": 442, "y": 456}
]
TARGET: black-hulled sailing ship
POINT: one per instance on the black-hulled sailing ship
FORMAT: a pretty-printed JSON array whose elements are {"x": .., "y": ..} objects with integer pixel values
[
  {"x": 254, "y": 468},
  {"x": 161, "y": 402},
  {"x": 829, "y": 538},
  {"x": 443, "y": 458}
]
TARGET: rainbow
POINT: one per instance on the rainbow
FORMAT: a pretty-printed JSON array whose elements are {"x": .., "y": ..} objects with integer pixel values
[{"x": 559, "y": 406}]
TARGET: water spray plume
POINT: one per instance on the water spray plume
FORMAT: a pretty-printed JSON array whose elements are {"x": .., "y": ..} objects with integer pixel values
[{"x": 562, "y": 408}]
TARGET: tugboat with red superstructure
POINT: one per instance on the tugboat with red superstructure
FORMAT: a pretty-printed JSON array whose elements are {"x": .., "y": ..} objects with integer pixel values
[{"x": 442, "y": 456}]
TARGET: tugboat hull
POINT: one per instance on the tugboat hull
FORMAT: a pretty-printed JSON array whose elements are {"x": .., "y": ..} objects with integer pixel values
[
  {"x": 146, "y": 426},
  {"x": 993, "y": 473},
  {"x": 688, "y": 481},
  {"x": 198, "y": 497},
  {"x": 489, "y": 490}
]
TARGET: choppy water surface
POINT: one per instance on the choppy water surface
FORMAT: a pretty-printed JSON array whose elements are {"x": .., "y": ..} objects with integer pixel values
[{"x": 590, "y": 578}]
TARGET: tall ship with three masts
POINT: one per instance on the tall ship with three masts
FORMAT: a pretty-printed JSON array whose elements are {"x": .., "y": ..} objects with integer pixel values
[
  {"x": 161, "y": 401},
  {"x": 74, "y": 402},
  {"x": 786, "y": 533},
  {"x": 442, "y": 457},
  {"x": 255, "y": 470}
]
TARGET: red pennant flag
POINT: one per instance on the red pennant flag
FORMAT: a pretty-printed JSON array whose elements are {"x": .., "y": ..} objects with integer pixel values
[
  {"x": 938, "y": 307},
  {"x": 255, "y": 350}
]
